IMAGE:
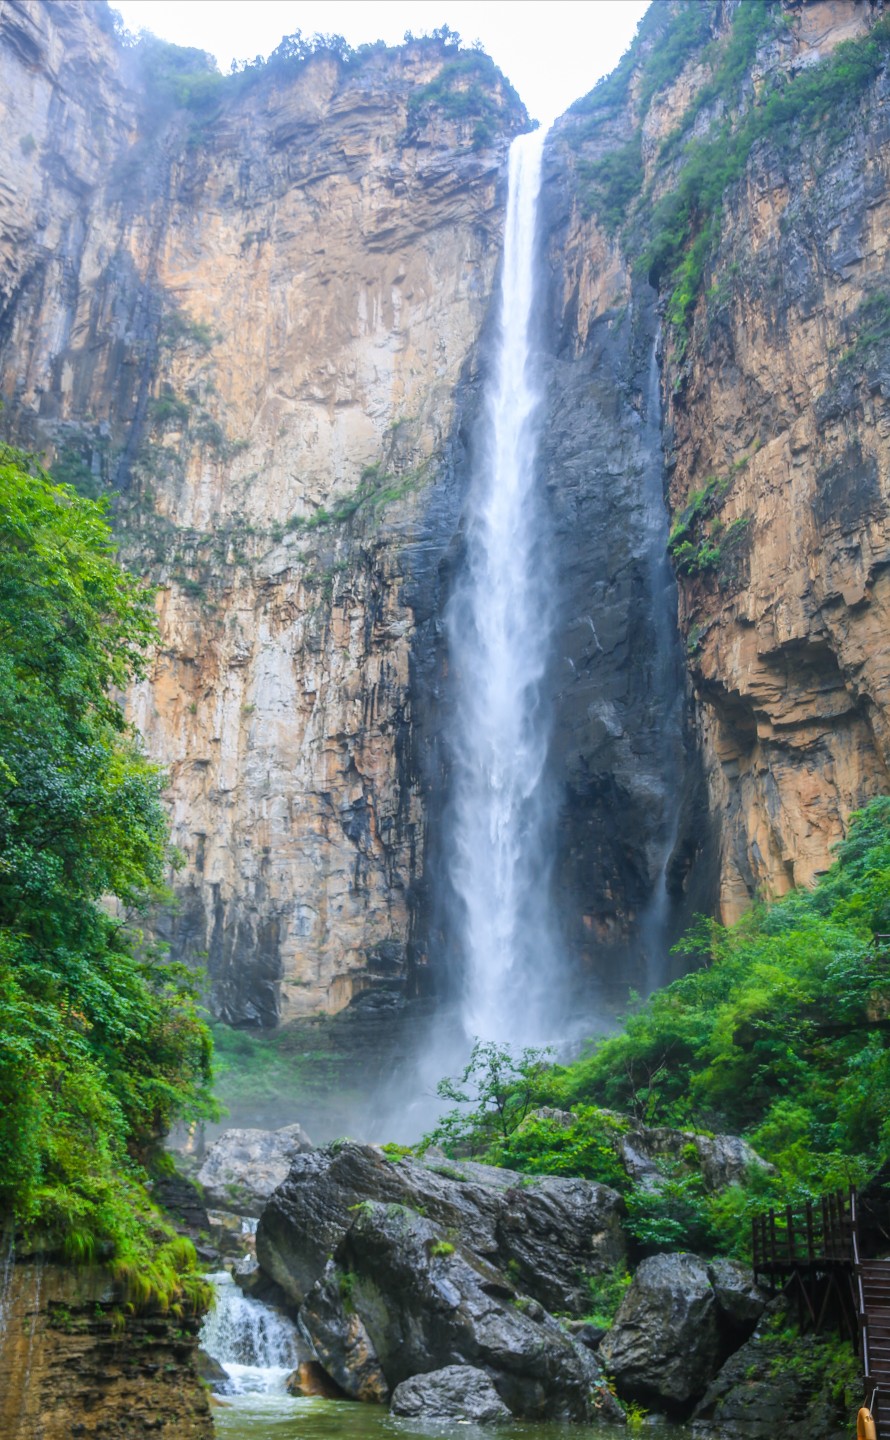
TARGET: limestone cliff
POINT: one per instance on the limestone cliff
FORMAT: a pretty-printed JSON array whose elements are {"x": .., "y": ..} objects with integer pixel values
[
  {"x": 252, "y": 319},
  {"x": 776, "y": 431},
  {"x": 258, "y": 310},
  {"x": 73, "y": 1363}
]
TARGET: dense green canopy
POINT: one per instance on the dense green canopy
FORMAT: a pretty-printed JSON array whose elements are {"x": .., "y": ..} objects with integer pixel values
[{"x": 101, "y": 1047}]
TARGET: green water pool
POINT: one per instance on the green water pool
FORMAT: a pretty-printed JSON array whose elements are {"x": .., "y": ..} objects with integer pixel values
[{"x": 279, "y": 1417}]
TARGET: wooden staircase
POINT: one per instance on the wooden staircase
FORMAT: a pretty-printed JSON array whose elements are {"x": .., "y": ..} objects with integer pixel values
[
  {"x": 814, "y": 1256},
  {"x": 873, "y": 1277}
]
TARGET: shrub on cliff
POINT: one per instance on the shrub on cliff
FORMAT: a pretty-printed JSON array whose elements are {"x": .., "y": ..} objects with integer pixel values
[
  {"x": 782, "y": 1036},
  {"x": 101, "y": 1047}
]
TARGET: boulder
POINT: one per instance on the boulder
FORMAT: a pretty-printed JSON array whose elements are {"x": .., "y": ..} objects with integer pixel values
[
  {"x": 401, "y": 1298},
  {"x": 548, "y": 1232},
  {"x": 721, "y": 1160},
  {"x": 340, "y": 1338},
  {"x": 805, "y": 1382},
  {"x": 243, "y": 1167},
  {"x": 456, "y": 1393},
  {"x": 740, "y": 1300},
  {"x": 665, "y": 1344}
]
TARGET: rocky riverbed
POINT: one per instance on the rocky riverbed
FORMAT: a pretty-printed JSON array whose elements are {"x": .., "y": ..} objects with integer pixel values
[{"x": 443, "y": 1291}]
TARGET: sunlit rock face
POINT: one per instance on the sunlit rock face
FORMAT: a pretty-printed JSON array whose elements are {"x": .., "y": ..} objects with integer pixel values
[
  {"x": 253, "y": 321},
  {"x": 263, "y": 322},
  {"x": 785, "y": 640}
]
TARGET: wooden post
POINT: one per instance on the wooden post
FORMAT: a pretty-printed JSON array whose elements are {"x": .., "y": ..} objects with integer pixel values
[
  {"x": 811, "y": 1248},
  {"x": 789, "y": 1222}
]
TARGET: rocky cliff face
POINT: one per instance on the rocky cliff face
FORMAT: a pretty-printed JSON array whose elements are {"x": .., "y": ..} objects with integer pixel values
[
  {"x": 72, "y": 1364},
  {"x": 261, "y": 316},
  {"x": 775, "y": 431},
  {"x": 783, "y": 395},
  {"x": 254, "y": 320}
]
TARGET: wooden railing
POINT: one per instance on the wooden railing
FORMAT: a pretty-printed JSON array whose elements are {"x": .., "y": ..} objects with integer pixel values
[
  {"x": 817, "y": 1234},
  {"x": 812, "y": 1252}
]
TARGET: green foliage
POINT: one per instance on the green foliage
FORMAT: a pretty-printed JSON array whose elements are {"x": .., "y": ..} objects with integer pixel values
[
  {"x": 469, "y": 87},
  {"x": 177, "y": 75},
  {"x": 781, "y": 1036},
  {"x": 606, "y": 1290},
  {"x": 101, "y": 1047},
  {"x": 441, "y": 1249},
  {"x": 672, "y": 1215},
  {"x": 546, "y": 1146},
  {"x": 179, "y": 329},
  {"x": 871, "y": 327},
  {"x": 169, "y": 409},
  {"x": 685, "y": 225},
  {"x": 492, "y": 1095},
  {"x": 699, "y": 542},
  {"x": 610, "y": 184},
  {"x": 376, "y": 489}
]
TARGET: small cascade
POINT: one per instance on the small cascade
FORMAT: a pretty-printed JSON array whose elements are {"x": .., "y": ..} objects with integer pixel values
[
  {"x": 666, "y": 692},
  {"x": 255, "y": 1345},
  {"x": 7, "y": 1264}
]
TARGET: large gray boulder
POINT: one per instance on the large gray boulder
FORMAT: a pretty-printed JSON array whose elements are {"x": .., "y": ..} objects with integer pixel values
[
  {"x": 401, "y": 1298},
  {"x": 721, "y": 1160},
  {"x": 456, "y": 1393},
  {"x": 243, "y": 1167},
  {"x": 548, "y": 1232},
  {"x": 665, "y": 1344}
]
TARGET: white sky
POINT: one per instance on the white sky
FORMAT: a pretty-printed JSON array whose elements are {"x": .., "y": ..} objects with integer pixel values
[{"x": 552, "y": 50}]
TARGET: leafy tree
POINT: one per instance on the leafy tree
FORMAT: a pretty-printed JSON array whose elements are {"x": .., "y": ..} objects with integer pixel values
[
  {"x": 101, "y": 1046},
  {"x": 493, "y": 1094}
]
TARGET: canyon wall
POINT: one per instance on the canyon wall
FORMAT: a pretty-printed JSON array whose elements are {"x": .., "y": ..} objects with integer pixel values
[
  {"x": 72, "y": 1363},
  {"x": 260, "y": 314}
]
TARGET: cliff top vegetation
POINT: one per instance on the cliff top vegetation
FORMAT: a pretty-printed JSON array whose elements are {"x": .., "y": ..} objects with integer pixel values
[
  {"x": 672, "y": 232},
  {"x": 470, "y": 85}
]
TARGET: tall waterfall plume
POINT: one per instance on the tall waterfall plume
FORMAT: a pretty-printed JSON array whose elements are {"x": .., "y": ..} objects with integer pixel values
[{"x": 499, "y": 629}]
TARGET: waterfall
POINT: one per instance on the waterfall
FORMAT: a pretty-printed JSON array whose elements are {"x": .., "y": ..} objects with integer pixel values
[
  {"x": 666, "y": 695},
  {"x": 255, "y": 1345},
  {"x": 499, "y": 631}
]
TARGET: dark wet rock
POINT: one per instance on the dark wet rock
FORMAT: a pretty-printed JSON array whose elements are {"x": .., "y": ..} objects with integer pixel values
[
  {"x": 183, "y": 1202},
  {"x": 588, "y": 1334},
  {"x": 548, "y": 1232},
  {"x": 721, "y": 1160},
  {"x": 311, "y": 1379},
  {"x": 400, "y": 1295},
  {"x": 803, "y": 1384},
  {"x": 740, "y": 1300},
  {"x": 210, "y": 1371},
  {"x": 243, "y": 1167},
  {"x": 340, "y": 1337},
  {"x": 665, "y": 1343},
  {"x": 458, "y": 1392}
]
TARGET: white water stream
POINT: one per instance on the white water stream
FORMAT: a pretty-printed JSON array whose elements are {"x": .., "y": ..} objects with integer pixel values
[
  {"x": 499, "y": 627},
  {"x": 255, "y": 1345}
]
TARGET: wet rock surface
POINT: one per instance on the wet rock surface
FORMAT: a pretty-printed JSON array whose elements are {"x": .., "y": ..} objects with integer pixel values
[
  {"x": 458, "y": 1392},
  {"x": 720, "y": 1159},
  {"x": 401, "y": 1268},
  {"x": 243, "y": 1167},
  {"x": 665, "y": 1345},
  {"x": 400, "y": 1298},
  {"x": 802, "y": 1382},
  {"x": 548, "y": 1232}
]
